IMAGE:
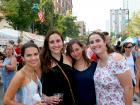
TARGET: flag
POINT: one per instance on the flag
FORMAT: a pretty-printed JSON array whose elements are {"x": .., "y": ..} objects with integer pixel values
[{"x": 41, "y": 16}]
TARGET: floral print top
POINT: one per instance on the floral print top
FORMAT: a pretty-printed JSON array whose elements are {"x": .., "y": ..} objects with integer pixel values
[{"x": 108, "y": 88}]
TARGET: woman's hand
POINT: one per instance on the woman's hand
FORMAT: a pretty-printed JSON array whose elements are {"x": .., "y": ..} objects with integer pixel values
[{"x": 52, "y": 100}]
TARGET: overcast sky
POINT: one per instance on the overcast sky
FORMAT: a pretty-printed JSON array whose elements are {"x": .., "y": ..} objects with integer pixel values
[{"x": 95, "y": 13}]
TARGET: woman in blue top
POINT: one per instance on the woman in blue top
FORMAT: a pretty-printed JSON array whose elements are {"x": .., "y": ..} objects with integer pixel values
[
  {"x": 8, "y": 66},
  {"x": 26, "y": 85},
  {"x": 82, "y": 74}
]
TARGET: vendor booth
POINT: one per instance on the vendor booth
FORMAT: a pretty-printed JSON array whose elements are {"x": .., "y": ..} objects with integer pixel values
[
  {"x": 7, "y": 34},
  {"x": 38, "y": 39}
]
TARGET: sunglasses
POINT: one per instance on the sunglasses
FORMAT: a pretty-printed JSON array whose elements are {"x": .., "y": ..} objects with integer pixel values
[{"x": 129, "y": 47}]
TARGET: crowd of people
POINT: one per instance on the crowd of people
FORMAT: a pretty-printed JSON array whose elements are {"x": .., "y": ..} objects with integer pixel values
[{"x": 95, "y": 74}]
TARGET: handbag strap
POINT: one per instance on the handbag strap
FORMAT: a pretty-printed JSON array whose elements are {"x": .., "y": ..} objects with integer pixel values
[{"x": 68, "y": 83}]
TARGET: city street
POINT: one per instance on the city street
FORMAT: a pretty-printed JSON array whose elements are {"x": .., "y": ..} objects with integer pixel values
[{"x": 1, "y": 97}]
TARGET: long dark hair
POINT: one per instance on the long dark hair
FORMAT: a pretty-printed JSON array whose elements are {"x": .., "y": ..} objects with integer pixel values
[
  {"x": 45, "y": 54},
  {"x": 109, "y": 49},
  {"x": 69, "y": 50}
]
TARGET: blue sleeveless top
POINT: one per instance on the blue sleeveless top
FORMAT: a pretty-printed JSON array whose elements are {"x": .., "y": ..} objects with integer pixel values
[
  {"x": 7, "y": 75},
  {"x": 26, "y": 93},
  {"x": 84, "y": 85}
]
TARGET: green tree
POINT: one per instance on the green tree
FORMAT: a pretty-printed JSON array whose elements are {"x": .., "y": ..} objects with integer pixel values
[
  {"x": 22, "y": 14},
  {"x": 19, "y": 13},
  {"x": 133, "y": 26},
  {"x": 71, "y": 29},
  {"x": 48, "y": 9}
]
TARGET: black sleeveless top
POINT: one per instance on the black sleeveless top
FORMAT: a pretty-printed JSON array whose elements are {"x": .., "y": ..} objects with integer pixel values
[{"x": 54, "y": 82}]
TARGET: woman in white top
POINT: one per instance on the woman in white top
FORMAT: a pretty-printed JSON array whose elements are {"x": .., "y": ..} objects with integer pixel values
[
  {"x": 25, "y": 85},
  {"x": 113, "y": 84},
  {"x": 130, "y": 59}
]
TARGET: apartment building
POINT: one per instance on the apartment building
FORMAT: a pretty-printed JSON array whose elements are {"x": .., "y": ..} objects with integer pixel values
[
  {"x": 132, "y": 5},
  {"x": 82, "y": 27},
  {"x": 63, "y": 6}
]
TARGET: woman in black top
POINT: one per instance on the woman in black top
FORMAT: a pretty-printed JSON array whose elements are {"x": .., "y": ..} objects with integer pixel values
[
  {"x": 83, "y": 72},
  {"x": 56, "y": 71}
]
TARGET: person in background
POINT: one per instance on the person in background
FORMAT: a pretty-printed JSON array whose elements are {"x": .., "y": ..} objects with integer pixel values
[
  {"x": 137, "y": 87},
  {"x": 18, "y": 55},
  {"x": 26, "y": 84},
  {"x": 118, "y": 47},
  {"x": 130, "y": 59},
  {"x": 2, "y": 57},
  {"x": 113, "y": 83},
  {"x": 136, "y": 52},
  {"x": 56, "y": 71},
  {"x": 32, "y": 41},
  {"x": 8, "y": 66},
  {"x": 83, "y": 71},
  {"x": 137, "y": 48},
  {"x": 14, "y": 45}
]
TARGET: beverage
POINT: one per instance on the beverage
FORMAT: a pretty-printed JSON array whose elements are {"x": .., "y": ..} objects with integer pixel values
[{"x": 60, "y": 95}]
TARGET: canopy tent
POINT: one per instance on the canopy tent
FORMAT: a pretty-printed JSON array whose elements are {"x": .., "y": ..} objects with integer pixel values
[
  {"x": 38, "y": 39},
  {"x": 7, "y": 34},
  {"x": 131, "y": 39}
]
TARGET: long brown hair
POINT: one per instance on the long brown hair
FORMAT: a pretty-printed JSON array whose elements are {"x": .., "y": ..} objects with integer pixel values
[
  {"x": 45, "y": 55},
  {"x": 69, "y": 50}
]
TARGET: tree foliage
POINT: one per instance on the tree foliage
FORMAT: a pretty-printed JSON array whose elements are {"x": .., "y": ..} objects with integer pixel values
[
  {"x": 23, "y": 15},
  {"x": 71, "y": 29},
  {"x": 19, "y": 13},
  {"x": 133, "y": 28}
]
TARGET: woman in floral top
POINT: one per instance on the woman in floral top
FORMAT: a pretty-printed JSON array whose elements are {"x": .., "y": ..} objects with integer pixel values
[{"x": 112, "y": 78}]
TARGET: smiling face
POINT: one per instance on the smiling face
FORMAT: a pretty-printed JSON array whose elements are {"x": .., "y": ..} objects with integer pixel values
[
  {"x": 97, "y": 44},
  {"x": 9, "y": 50},
  {"x": 31, "y": 56},
  {"x": 55, "y": 44},
  {"x": 76, "y": 52}
]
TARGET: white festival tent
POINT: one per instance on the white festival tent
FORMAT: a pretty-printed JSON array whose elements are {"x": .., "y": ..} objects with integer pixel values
[
  {"x": 7, "y": 34},
  {"x": 38, "y": 39}
]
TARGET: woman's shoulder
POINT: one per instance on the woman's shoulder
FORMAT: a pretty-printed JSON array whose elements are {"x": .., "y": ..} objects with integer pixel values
[
  {"x": 67, "y": 60},
  {"x": 20, "y": 75},
  {"x": 18, "y": 78},
  {"x": 117, "y": 56}
]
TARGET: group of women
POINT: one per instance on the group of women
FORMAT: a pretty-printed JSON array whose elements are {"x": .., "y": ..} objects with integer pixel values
[{"x": 79, "y": 80}]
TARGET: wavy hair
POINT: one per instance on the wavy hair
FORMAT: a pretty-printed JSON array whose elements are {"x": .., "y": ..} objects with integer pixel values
[
  {"x": 101, "y": 34},
  {"x": 45, "y": 54}
]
